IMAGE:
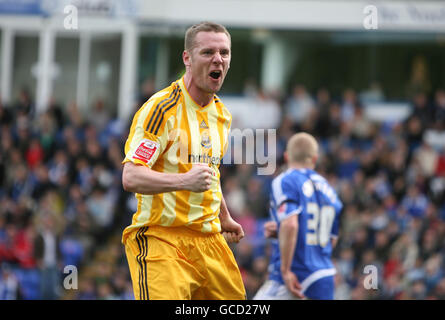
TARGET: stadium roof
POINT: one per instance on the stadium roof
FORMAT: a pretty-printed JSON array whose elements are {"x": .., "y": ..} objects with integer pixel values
[{"x": 396, "y": 16}]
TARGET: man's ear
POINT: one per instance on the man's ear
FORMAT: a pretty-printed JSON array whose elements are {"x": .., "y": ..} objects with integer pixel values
[
  {"x": 314, "y": 160},
  {"x": 286, "y": 157},
  {"x": 186, "y": 58}
]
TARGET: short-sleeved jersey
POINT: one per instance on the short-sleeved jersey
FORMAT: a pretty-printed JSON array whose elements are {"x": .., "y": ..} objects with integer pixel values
[
  {"x": 305, "y": 193},
  {"x": 168, "y": 134}
]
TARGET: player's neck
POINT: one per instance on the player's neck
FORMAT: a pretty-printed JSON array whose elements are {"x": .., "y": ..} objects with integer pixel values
[
  {"x": 296, "y": 165},
  {"x": 200, "y": 97}
]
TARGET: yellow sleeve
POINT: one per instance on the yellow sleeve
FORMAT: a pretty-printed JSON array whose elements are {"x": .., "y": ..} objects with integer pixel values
[
  {"x": 228, "y": 124},
  {"x": 143, "y": 146}
]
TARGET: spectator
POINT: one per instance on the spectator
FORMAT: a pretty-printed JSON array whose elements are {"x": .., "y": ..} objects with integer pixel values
[
  {"x": 58, "y": 167},
  {"x": 235, "y": 196},
  {"x": 348, "y": 106},
  {"x": 100, "y": 204},
  {"x": 439, "y": 291},
  {"x": 25, "y": 105},
  {"x": 433, "y": 272},
  {"x": 9, "y": 285},
  {"x": 41, "y": 182},
  {"x": 87, "y": 290},
  {"x": 408, "y": 251},
  {"x": 362, "y": 128},
  {"x": 417, "y": 291},
  {"x": 256, "y": 199},
  {"x": 415, "y": 202},
  {"x": 23, "y": 247},
  {"x": 421, "y": 109},
  {"x": 299, "y": 105},
  {"x": 373, "y": 94},
  {"x": 269, "y": 110},
  {"x": 5, "y": 114},
  {"x": 47, "y": 256},
  {"x": 342, "y": 289},
  {"x": 101, "y": 115},
  {"x": 426, "y": 157},
  {"x": 323, "y": 102},
  {"x": 348, "y": 164},
  {"x": 439, "y": 109},
  {"x": 34, "y": 154},
  {"x": 392, "y": 288}
]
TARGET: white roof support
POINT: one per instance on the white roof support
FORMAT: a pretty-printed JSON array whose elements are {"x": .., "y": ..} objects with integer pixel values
[
  {"x": 6, "y": 65},
  {"x": 45, "y": 69},
  {"x": 128, "y": 67},
  {"x": 83, "y": 71}
]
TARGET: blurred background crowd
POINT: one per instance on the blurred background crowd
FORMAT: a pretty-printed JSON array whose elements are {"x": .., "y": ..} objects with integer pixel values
[{"x": 63, "y": 203}]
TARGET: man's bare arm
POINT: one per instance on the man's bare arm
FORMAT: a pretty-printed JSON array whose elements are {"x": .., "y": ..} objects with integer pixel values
[
  {"x": 232, "y": 230},
  {"x": 224, "y": 212},
  {"x": 287, "y": 237},
  {"x": 143, "y": 180}
]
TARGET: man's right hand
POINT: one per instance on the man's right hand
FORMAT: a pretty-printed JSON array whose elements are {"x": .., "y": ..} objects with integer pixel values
[
  {"x": 292, "y": 283},
  {"x": 198, "y": 178},
  {"x": 270, "y": 229}
]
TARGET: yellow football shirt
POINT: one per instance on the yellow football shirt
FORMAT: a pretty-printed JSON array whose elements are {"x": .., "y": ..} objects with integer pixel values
[{"x": 169, "y": 133}]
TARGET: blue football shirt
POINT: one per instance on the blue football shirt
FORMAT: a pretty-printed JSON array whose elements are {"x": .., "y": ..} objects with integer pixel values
[{"x": 305, "y": 193}]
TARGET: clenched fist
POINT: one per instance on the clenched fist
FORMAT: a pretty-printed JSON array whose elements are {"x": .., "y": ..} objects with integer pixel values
[
  {"x": 199, "y": 178},
  {"x": 270, "y": 229}
]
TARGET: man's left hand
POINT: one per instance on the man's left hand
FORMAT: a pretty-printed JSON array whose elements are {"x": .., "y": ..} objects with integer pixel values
[{"x": 231, "y": 230}]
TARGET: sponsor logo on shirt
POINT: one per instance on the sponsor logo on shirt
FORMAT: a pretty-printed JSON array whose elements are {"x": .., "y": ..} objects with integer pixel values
[
  {"x": 205, "y": 140},
  {"x": 146, "y": 150},
  {"x": 203, "y": 125},
  {"x": 308, "y": 188}
]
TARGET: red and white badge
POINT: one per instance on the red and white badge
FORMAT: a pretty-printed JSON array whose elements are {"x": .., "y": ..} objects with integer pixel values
[
  {"x": 282, "y": 210},
  {"x": 146, "y": 150}
]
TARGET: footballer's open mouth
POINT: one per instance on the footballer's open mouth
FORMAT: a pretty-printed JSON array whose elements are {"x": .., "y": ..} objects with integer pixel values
[{"x": 215, "y": 74}]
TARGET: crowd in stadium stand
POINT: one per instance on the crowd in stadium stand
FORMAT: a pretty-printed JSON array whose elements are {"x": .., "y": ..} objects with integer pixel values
[{"x": 62, "y": 202}]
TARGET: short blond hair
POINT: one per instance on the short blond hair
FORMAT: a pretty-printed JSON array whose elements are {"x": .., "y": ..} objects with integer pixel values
[
  {"x": 206, "y": 26},
  {"x": 301, "y": 148}
]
